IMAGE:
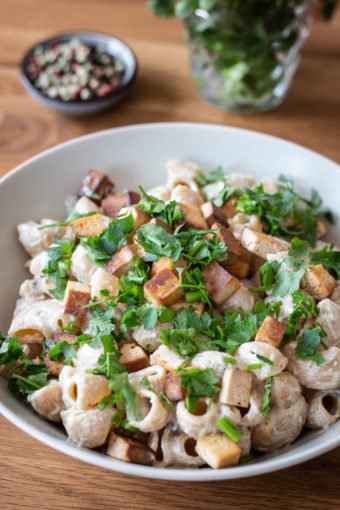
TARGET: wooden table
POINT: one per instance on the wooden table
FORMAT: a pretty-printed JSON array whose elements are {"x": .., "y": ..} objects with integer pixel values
[{"x": 33, "y": 476}]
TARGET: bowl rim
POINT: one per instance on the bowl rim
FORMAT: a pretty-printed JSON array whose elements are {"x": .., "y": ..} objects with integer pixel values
[
  {"x": 173, "y": 474},
  {"x": 80, "y": 34}
]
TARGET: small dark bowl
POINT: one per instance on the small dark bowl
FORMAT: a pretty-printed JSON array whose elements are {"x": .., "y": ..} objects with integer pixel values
[{"x": 110, "y": 45}]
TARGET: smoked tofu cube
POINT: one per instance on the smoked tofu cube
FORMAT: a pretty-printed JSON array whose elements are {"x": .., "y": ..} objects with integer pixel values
[
  {"x": 121, "y": 262},
  {"x": 88, "y": 226},
  {"x": 114, "y": 203},
  {"x": 133, "y": 358},
  {"x": 256, "y": 263},
  {"x": 163, "y": 289},
  {"x": 197, "y": 305},
  {"x": 77, "y": 295},
  {"x": 218, "y": 450},
  {"x": 140, "y": 217},
  {"x": 212, "y": 214},
  {"x": 240, "y": 269},
  {"x": 228, "y": 208},
  {"x": 95, "y": 186},
  {"x": 318, "y": 282},
  {"x": 226, "y": 236},
  {"x": 182, "y": 193},
  {"x": 162, "y": 263},
  {"x": 261, "y": 244},
  {"x": 192, "y": 216},
  {"x": 271, "y": 331},
  {"x": 161, "y": 223},
  {"x": 219, "y": 283},
  {"x": 236, "y": 387},
  {"x": 129, "y": 450},
  {"x": 173, "y": 389},
  {"x": 166, "y": 358}
]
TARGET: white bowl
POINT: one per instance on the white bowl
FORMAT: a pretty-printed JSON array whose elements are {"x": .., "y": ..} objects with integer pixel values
[{"x": 133, "y": 155}]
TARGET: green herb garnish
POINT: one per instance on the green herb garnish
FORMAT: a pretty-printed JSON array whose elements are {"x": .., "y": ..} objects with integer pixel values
[{"x": 229, "y": 429}]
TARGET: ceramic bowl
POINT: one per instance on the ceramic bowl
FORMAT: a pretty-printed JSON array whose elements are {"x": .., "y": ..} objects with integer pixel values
[{"x": 137, "y": 155}]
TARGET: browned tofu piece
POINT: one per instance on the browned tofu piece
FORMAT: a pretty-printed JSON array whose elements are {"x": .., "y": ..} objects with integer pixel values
[
  {"x": 173, "y": 389},
  {"x": 219, "y": 283},
  {"x": 114, "y": 203},
  {"x": 133, "y": 358},
  {"x": 163, "y": 289},
  {"x": 121, "y": 262},
  {"x": 236, "y": 387},
  {"x": 318, "y": 282},
  {"x": 88, "y": 226},
  {"x": 213, "y": 214},
  {"x": 95, "y": 186},
  {"x": 192, "y": 216},
  {"x": 64, "y": 337},
  {"x": 77, "y": 295},
  {"x": 226, "y": 236},
  {"x": 228, "y": 208},
  {"x": 161, "y": 223},
  {"x": 271, "y": 331},
  {"x": 255, "y": 264},
  {"x": 129, "y": 450},
  {"x": 199, "y": 307},
  {"x": 54, "y": 368},
  {"x": 321, "y": 229},
  {"x": 240, "y": 269},
  {"x": 140, "y": 217},
  {"x": 218, "y": 450},
  {"x": 163, "y": 263}
]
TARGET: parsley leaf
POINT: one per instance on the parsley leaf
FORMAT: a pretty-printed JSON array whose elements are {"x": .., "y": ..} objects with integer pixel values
[
  {"x": 304, "y": 308},
  {"x": 58, "y": 265},
  {"x": 266, "y": 396},
  {"x": 63, "y": 349},
  {"x": 147, "y": 316},
  {"x": 263, "y": 310},
  {"x": 185, "y": 341},
  {"x": 211, "y": 177},
  {"x": 236, "y": 330},
  {"x": 10, "y": 350},
  {"x": 308, "y": 342},
  {"x": 100, "y": 248},
  {"x": 157, "y": 242},
  {"x": 131, "y": 285},
  {"x": 34, "y": 377},
  {"x": 194, "y": 287},
  {"x": 169, "y": 212},
  {"x": 329, "y": 258},
  {"x": 226, "y": 193},
  {"x": 198, "y": 384},
  {"x": 198, "y": 249}
]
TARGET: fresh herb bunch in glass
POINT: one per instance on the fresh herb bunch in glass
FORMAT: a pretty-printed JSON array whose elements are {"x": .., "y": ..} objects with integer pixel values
[{"x": 244, "y": 52}]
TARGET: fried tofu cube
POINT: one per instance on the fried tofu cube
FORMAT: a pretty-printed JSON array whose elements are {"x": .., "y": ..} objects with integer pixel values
[
  {"x": 113, "y": 204},
  {"x": 133, "y": 358},
  {"x": 236, "y": 387},
  {"x": 228, "y": 208},
  {"x": 161, "y": 223},
  {"x": 129, "y": 450},
  {"x": 212, "y": 214},
  {"x": 162, "y": 263},
  {"x": 182, "y": 193},
  {"x": 88, "y": 226},
  {"x": 255, "y": 263},
  {"x": 271, "y": 331},
  {"x": 121, "y": 262},
  {"x": 240, "y": 269},
  {"x": 96, "y": 186},
  {"x": 166, "y": 358},
  {"x": 53, "y": 368},
  {"x": 163, "y": 289},
  {"x": 197, "y": 305},
  {"x": 103, "y": 280},
  {"x": 140, "y": 217},
  {"x": 318, "y": 282},
  {"x": 226, "y": 236},
  {"x": 261, "y": 244},
  {"x": 192, "y": 216},
  {"x": 218, "y": 450},
  {"x": 173, "y": 389},
  {"x": 77, "y": 295},
  {"x": 219, "y": 283}
]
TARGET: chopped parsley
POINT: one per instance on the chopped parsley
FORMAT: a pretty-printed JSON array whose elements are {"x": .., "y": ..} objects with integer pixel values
[
  {"x": 10, "y": 350},
  {"x": 157, "y": 242},
  {"x": 265, "y": 360},
  {"x": 304, "y": 308},
  {"x": 147, "y": 316},
  {"x": 224, "y": 195},
  {"x": 131, "y": 285},
  {"x": 211, "y": 177},
  {"x": 194, "y": 287},
  {"x": 266, "y": 397},
  {"x": 59, "y": 263},
  {"x": 329, "y": 258},
  {"x": 100, "y": 248},
  {"x": 198, "y": 249},
  {"x": 169, "y": 212},
  {"x": 198, "y": 384},
  {"x": 308, "y": 343},
  {"x": 235, "y": 330},
  {"x": 185, "y": 341},
  {"x": 229, "y": 429}
]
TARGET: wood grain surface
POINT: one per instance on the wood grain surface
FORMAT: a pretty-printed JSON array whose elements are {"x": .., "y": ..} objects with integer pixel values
[{"x": 33, "y": 476}]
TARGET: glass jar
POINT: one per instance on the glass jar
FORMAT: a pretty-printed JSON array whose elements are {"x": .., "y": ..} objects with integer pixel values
[{"x": 244, "y": 53}]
